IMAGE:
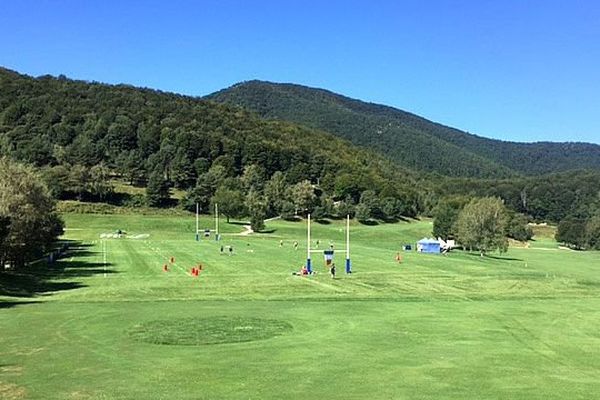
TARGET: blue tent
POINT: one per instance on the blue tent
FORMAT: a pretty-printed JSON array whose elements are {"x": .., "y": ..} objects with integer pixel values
[{"x": 428, "y": 246}]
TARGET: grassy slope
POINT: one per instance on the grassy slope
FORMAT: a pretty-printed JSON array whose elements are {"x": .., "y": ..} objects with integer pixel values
[{"x": 458, "y": 326}]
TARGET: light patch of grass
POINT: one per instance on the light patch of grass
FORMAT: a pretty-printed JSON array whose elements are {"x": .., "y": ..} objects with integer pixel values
[
  {"x": 10, "y": 391},
  {"x": 121, "y": 186},
  {"x": 543, "y": 231}
]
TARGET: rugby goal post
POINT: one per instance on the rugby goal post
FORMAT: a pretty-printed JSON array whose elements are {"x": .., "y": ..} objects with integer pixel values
[
  {"x": 309, "y": 250},
  {"x": 207, "y": 231}
]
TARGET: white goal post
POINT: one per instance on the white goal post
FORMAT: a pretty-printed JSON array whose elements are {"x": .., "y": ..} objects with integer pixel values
[{"x": 347, "y": 249}]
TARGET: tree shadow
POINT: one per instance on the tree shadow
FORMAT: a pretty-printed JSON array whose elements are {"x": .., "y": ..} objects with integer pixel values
[
  {"x": 369, "y": 222},
  {"x": 475, "y": 254},
  {"x": 503, "y": 258},
  {"x": 292, "y": 218},
  {"x": 267, "y": 231},
  {"x": 242, "y": 223},
  {"x": 44, "y": 278},
  {"x": 12, "y": 303}
]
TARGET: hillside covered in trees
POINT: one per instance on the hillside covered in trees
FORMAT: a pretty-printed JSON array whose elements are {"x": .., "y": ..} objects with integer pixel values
[
  {"x": 549, "y": 198},
  {"x": 82, "y": 136},
  {"x": 406, "y": 138},
  {"x": 81, "y": 133}
]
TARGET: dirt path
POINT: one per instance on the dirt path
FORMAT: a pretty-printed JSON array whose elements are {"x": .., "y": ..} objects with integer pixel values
[{"x": 247, "y": 230}]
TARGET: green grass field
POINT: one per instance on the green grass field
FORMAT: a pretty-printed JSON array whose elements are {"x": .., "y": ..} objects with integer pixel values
[{"x": 107, "y": 323}]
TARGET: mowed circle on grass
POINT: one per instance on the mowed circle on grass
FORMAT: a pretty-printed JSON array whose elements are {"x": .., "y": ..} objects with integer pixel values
[{"x": 206, "y": 331}]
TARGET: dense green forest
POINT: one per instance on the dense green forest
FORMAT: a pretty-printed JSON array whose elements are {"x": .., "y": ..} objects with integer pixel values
[
  {"x": 546, "y": 198},
  {"x": 406, "y": 138},
  {"x": 82, "y": 136}
]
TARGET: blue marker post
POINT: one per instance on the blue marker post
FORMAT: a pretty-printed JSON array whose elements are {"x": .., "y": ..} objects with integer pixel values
[
  {"x": 308, "y": 262},
  {"x": 197, "y": 211},
  {"x": 217, "y": 235},
  {"x": 348, "y": 263}
]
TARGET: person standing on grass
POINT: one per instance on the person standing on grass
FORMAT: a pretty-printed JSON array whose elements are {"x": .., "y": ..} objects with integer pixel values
[
  {"x": 230, "y": 250},
  {"x": 332, "y": 271}
]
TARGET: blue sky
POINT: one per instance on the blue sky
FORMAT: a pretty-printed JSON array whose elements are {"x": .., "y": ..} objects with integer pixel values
[{"x": 514, "y": 70}]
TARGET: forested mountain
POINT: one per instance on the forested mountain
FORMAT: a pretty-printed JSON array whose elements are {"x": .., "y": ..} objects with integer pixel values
[
  {"x": 71, "y": 127},
  {"x": 80, "y": 135},
  {"x": 407, "y": 138}
]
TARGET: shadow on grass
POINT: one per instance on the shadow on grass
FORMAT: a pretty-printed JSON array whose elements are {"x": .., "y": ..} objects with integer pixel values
[
  {"x": 242, "y": 223},
  {"x": 292, "y": 218},
  {"x": 504, "y": 258},
  {"x": 43, "y": 279},
  {"x": 267, "y": 231},
  {"x": 398, "y": 219},
  {"x": 11, "y": 303},
  {"x": 369, "y": 222}
]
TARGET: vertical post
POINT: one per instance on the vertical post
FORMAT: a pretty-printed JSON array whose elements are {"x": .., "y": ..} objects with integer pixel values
[
  {"x": 197, "y": 222},
  {"x": 216, "y": 221},
  {"x": 308, "y": 263},
  {"x": 104, "y": 255},
  {"x": 348, "y": 266}
]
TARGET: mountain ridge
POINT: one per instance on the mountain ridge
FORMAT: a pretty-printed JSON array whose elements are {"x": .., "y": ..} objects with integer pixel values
[
  {"x": 52, "y": 122},
  {"x": 392, "y": 128}
]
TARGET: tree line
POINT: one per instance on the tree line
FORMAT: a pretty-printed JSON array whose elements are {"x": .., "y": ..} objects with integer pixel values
[{"x": 82, "y": 135}]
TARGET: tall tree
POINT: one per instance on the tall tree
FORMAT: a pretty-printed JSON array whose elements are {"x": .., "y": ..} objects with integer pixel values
[
  {"x": 368, "y": 207},
  {"x": 253, "y": 177},
  {"x": 482, "y": 225},
  {"x": 257, "y": 207},
  {"x": 592, "y": 233},
  {"x": 445, "y": 216},
  {"x": 276, "y": 192},
  {"x": 572, "y": 232},
  {"x": 29, "y": 222},
  {"x": 303, "y": 196},
  {"x": 157, "y": 191},
  {"x": 99, "y": 185},
  {"x": 518, "y": 228},
  {"x": 230, "y": 202}
]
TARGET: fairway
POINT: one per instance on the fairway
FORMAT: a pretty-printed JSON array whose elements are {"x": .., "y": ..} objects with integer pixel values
[{"x": 106, "y": 322}]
